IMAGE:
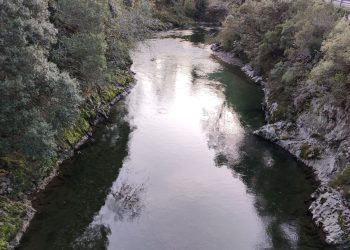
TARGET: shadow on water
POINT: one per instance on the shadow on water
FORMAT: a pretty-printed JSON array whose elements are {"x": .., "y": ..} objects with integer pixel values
[
  {"x": 281, "y": 186},
  {"x": 198, "y": 35},
  {"x": 201, "y": 34},
  {"x": 244, "y": 96},
  {"x": 69, "y": 202},
  {"x": 282, "y": 193}
]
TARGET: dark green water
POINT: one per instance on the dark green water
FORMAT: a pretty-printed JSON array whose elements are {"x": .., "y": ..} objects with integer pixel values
[{"x": 177, "y": 167}]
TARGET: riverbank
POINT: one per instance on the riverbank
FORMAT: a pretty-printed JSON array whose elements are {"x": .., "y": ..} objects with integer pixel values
[
  {"x": 329, "y": 209},
  {"x": 19, "y": 213}
]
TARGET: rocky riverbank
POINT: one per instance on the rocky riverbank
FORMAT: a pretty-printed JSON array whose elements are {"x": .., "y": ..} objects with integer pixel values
[
  {"x": 329, "y": 208},
  {"x": 326, "y": 153}
]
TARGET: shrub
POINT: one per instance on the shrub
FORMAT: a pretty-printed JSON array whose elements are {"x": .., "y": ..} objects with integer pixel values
[
  {"x": 308, "y": 152},
  {"x": 294, "y": 44}
]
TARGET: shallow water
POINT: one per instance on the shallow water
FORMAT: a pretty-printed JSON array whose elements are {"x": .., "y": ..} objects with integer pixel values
[{"x": 177, "y": 166}]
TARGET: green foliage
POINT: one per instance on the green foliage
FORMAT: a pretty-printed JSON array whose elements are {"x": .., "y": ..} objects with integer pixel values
[
  {"x": 58, "y": 70},
  {"x": 10, "y": 220},
  {"x": 271, "y": 30},
  {"x": 123, "y": 31},
  {"x": 37, "y": 100},
  {"x": 343, "y": 179},
  {"x": 40, "y": 100},
  {"x": 293, "y": 44},
  {"x": 248, "y": 23},
  {"x": 3, "y": 244},
  {"x": 78, "y": 130},
  {"x": 84, "y": 56},
  {"x": 81, "y": 48},
  {"x": 82, "y": 16},
  {"x": 94, "y": 43},
  {"x": 200, "y": 8},
  {"x": 333, "y": 71},
  {"x": 308, "y": 152}
]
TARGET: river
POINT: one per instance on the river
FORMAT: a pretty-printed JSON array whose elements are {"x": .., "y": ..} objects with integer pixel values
[{"x": 177, "y": 166}]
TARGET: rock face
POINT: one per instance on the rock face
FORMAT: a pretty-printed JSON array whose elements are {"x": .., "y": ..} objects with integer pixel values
[
  {"x": 329, "y": 209},
  {"x": 329, "y": 212},
  {"x": 225, "y": 57},
  {"x": 5, "y": 185},
  {"x": 318, "y": 135},
  {"x": 249, "y": 71}
]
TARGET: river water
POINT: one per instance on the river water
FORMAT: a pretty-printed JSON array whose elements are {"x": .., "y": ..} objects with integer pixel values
[{"x": 177, "y": 167}]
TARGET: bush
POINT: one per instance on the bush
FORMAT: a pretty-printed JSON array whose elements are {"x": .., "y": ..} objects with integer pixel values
[
  {"x": 37, "y": 100},
  {"x": 308, "y": 152},
  {"x": 294, "y": 44}
]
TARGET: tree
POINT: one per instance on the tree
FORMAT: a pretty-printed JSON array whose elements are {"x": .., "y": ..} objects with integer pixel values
[
  {"x": 37, "y": 100},
  {"x": 81, "y": 48}
]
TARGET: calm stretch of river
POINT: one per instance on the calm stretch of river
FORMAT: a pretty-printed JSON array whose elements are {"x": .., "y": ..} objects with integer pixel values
[{"x": 177, "y": 167}]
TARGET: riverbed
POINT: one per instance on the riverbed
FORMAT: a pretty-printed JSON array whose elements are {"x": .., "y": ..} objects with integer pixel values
[{"x": 177, "y": 166}]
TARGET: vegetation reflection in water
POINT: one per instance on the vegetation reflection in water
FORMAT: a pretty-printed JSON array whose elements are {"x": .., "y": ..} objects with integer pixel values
[{"x": 192, "y": 175}]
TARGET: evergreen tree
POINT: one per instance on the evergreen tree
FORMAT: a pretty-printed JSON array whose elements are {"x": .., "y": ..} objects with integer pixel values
[
  {"x": 37, "y": 100},
  {"x": 82, "y": 43}
]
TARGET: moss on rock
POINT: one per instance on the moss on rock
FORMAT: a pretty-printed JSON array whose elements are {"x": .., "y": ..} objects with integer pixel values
[
  {"x": 77, "y": 131},
  {"x": 10, "y": 220},
  {"x": 308, "y": 152},
  {"x": 342, "y": 180}
]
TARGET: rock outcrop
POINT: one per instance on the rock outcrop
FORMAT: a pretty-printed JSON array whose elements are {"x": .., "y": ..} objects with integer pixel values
[{"x": 323, "y": 144}]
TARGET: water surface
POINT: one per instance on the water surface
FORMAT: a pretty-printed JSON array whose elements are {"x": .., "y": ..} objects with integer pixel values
[{"x": 177, "y": 167}]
